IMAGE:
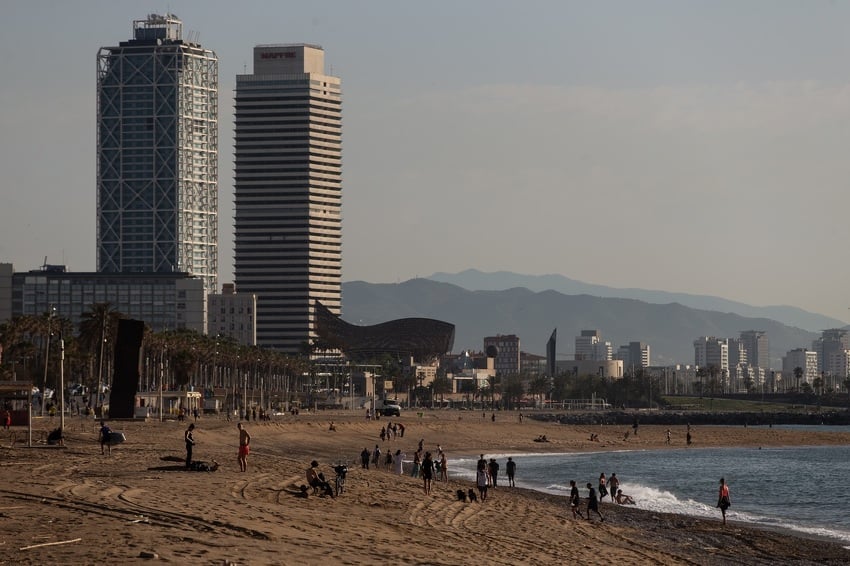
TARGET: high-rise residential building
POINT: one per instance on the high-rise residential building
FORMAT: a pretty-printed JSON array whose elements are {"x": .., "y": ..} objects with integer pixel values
[
  {"x": 288, "y": 185},
  {"x": 157, "y": 154},
  {"x": 710, "y": 351},
  {"x": 507, "y": 353},
  {"x": 831, "y": 342},
  {"x": 757, "y": 347},
  {"x": 806, "y": 360},
  {"x": 634, "y": 355}
]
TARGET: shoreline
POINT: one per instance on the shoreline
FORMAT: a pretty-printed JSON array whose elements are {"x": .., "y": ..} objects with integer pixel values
[{"x": 151, "y": 505}]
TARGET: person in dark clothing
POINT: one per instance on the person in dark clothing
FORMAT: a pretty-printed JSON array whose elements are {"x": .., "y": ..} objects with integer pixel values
[
  {"x": 575, "y": 499},
  {"x": 593, "y": 503},
  {"x": 510, "y": 467},
  {"x": 364, "y": 458},
  {"x": 190, "y": 443}
]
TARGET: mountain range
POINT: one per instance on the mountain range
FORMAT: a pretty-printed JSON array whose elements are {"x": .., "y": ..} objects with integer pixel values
[
  {"x": 475, "y": 280},
  {"x": 669, "y": 328}
]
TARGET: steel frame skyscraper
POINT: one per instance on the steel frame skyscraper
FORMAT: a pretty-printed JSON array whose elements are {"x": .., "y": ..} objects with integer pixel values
[
  {"x": 157, "y": 153},
  {"x": 288, "y": 187}
]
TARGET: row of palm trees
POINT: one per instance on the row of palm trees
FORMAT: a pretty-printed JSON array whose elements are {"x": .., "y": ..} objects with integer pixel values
[{"x": 173, "y": 360}]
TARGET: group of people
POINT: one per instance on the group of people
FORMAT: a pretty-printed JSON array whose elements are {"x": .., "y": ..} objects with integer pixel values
[
  {"x": 392, "y": 431},
  {"x": 611, "y": 487}
]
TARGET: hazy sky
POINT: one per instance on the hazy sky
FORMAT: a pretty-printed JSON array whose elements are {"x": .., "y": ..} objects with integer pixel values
[{"x": 686, "y": 146}]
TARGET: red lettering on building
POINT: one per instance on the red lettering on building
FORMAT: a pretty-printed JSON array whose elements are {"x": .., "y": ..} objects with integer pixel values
[{"x": 278, "y": 55}]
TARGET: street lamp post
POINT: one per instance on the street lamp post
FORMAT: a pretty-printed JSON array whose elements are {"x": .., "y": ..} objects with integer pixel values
[{"x": 50, "y": 314}]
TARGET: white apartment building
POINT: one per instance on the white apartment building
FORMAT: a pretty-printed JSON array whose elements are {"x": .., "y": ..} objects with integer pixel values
[
  {"x": 288, "y": 192},
  {"x": 802, "y": 358},
  {"x": 232, "y": 315}
]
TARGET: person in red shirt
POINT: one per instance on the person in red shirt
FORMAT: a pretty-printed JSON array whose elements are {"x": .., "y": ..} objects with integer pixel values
[{"x": 723, "y": 499}]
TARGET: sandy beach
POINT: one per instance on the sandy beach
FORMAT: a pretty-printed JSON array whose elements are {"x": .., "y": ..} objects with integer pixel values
[{"x": 73, "y": 505}]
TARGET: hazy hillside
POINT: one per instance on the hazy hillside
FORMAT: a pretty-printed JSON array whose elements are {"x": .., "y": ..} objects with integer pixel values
[
  {"x": 475, "y": 280},
  {"x": 669, "y": 329}
]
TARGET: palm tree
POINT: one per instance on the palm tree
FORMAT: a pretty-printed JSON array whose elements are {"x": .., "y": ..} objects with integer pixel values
[
  {"x": 98, "y": 330},
  {"x": 798, "y": 375}
]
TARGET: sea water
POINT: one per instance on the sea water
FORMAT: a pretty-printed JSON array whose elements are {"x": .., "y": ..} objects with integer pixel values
[{"x": 804, "y": 489}]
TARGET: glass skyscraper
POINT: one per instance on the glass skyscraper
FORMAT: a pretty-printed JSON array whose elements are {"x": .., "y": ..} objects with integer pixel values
[
  {"x": 288, "y": 186},
  {"x": 157, "y": 154}
]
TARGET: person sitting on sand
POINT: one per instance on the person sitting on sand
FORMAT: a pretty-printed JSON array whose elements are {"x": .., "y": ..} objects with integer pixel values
[
  {"x": 624, "y": 499},
  {"x": 317, "y": 481}
]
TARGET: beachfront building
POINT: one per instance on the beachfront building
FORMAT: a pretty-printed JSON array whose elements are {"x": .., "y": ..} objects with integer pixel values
[
  {"x": 164, "y": 301},
  {"x": 157, "y": 154},
  {"x": 232, "y": 315},
  {"x": 288, "y": 187},
  {"x": 507, "y": 349}
]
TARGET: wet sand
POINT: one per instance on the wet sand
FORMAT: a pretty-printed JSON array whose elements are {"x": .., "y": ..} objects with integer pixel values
[{"x": 140, "y": 502}]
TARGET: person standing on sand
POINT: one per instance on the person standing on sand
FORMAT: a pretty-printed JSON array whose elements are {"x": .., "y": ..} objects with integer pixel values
[
  {"x": 364, "y": 458},
  {"x": 417, "y": 463},
  {"x": 376, "y": 456},
  {"x": 510, "y": 468},
  {"x": 493, "y": 469},
  {"x": 613, "y": 486},
  {"x": 427, "y": 472},
  {"x": 575, "y": 499},
  {"x": 603, "y": 491},
  {"x": 482, "y": 478},
  {"x": 592, "y": 503},
  {"x": 723, "y": 499},
  {"x": 444, "y": 467},
  {"x": 190, "y": 443},
  {"x": 244, "y": 448},
  {"x": 398, "y": 461}
]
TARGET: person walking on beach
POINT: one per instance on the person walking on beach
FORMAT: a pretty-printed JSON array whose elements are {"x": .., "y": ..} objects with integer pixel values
[
  {"x": 244, "y": 447},
  {"x": 510, "y": 468},
  {"x": 493, "y": 468},
  {"x": 482, "y": 478},
  {"x": 603, "y": 491},
  {"x": 575, "y": 500},
  {"x": 613, "y": 486},
  {"x": 376, "y": 457},
  {"x": 592, "y": 502},
  {"x": 364, "y": 458},
  {"x": 190, "y": 443},
  {"x": 427, "y": 473},
  {"x": 723, "y": 499},
  {"x": 444, "y": 468}
]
